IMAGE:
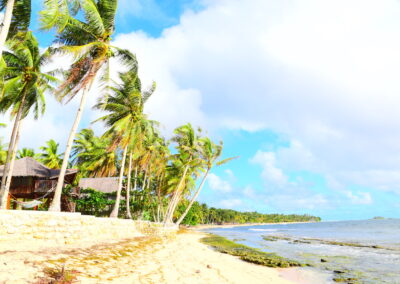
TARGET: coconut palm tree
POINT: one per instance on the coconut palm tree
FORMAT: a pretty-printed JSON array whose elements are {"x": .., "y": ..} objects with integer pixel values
[
  {"x": 92, "y": 156},
  {"x": 210, "y": 152},
  {"x": 26, "y": 152},
  {"x": 185, "y": 161},
  {"x": 86, "y": 36},
  {"x": 50, "y": 156},
  {"x": 23, "y": 90},
  {"x": 124, "y": 105},
  {"x": 143, "y": 138},
  {"x": 16, "y": 18}
]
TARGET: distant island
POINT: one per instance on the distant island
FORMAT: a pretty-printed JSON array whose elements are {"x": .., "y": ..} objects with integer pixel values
[{"x": 378, "y": 218}]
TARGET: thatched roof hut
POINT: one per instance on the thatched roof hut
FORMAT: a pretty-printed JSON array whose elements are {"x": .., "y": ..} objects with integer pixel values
[
  {"x": 29, "y": 167},
  {"x": 31, "y": 179},
  {"x": 103, "y": 184}
]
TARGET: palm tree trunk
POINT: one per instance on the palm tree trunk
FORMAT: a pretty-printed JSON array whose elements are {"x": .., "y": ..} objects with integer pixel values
[
  {"x": 56, "y": 203},
  {"x": 128, "y": 188},
  {"x": 175, "y": 200},
  {"x": 114, "y": 213},
  {"x": 136, "y": 177},
  {"x": 13, "y": 157},
  {"x": 193, "y": 198},
  {"x": 6, "y": 24},
  {"x": 175, "y": 204},
  {"x": 10, "y": 171},
  {"x": 159, "y": 199},
  {"x": 135, "y": 196},
  {"x": 8, "y": 167}
]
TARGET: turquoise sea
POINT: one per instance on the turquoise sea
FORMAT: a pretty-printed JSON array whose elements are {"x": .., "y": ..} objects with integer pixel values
[{"x": 367, "y": 250}]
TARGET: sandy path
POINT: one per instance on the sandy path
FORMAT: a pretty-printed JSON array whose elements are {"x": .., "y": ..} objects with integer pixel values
[{"x": 182, "y": 259}]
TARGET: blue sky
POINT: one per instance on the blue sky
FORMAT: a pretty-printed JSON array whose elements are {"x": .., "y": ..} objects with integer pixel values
[{"x": 305, "y": 92}]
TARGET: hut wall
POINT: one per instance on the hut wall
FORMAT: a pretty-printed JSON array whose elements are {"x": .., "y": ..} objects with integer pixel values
[{"x": 22, "y": 187}]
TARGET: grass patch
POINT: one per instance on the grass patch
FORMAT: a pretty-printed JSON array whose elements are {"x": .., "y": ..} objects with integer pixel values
[
  {"x": 58, "y": 275},
  {"x": 247, "y": 253}
]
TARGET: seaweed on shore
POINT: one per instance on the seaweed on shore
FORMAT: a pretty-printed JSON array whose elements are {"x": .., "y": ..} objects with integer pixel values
[{"x": 248, "y": 254}]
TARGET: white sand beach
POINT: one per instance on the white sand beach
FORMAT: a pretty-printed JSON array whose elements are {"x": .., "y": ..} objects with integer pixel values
[{"x": 180, "y": 259}]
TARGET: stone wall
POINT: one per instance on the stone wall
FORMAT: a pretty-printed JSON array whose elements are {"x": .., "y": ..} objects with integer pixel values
[{"x": 34, "y": 229}]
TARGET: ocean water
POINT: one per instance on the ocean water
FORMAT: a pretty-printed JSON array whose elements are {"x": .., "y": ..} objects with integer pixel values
[{"x": 367, "y": 250}]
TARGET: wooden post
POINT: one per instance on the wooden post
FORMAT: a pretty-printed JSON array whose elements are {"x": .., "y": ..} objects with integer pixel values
[
  {"x": 34, "y": 197},
  {"x": 8, "y": 202}
]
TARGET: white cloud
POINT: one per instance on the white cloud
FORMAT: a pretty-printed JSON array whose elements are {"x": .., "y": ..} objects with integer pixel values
[
  {"x": 249, "y": 192},
  {"x": 230, "y": 174},
  {"x": 324, "y": 73},
  {"x": 270, "y": 173},
  {"x": 298, "y": 202},
  {"x": 218, "y": 184},
  {"x": 363, "y": 198},
  {"x": 230, "y": 203}
]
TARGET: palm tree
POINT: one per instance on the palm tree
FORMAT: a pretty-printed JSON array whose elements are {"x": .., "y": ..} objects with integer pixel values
[
  {"x": 124, "y": 105},
  {"x": 210, "y": 152},
  {"x": 143, "y": 138},
  {"x": 50, "y": 156},
  {"x": 23, "y": 90},
  {"x": 92, "y": 156},
  {"x": 89, "y": 42},
  {"x": 17, "y": 17},
  {"x": 26, "y": 152},
  {"x": 187, "y": 158}
]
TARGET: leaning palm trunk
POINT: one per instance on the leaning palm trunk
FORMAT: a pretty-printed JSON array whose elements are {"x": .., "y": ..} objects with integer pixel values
[
  {"x": 6, "y": 24},
  {"x": 55, "y": 205},
  {"x": 128, "y": 188},
  {"x": 193, "y": 198},
  {"x": 175, "y": 199},
  {"x": 135, "y": 182},
  {"x": 13, "y": 157},
  {"x": 114, "y": 213},
  {"x": 171, "y": 206},
  {"x": 8, "y": 167},
  {"x": 10, "y": 171},
  {"x": 159, "y": 200}
]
